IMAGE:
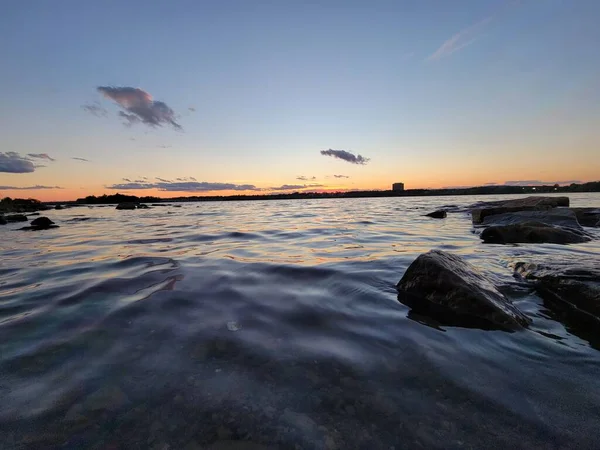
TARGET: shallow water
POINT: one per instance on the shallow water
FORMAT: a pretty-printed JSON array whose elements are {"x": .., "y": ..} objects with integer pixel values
[{"x": 276, "y": 322}]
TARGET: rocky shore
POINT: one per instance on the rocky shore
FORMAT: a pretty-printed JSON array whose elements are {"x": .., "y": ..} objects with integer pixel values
[{"x": 448, "y": 289}]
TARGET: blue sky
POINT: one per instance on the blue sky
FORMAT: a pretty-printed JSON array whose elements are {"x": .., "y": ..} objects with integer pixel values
[{"x": 434, "y": 93}]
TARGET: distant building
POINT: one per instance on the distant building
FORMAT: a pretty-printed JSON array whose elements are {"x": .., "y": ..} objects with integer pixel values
[{"x": 398, "y": 187}]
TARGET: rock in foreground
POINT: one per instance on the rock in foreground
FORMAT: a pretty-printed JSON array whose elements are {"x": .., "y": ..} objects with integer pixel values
[
  {"x": 16, "y": 218},
  {"x": 533, "y": 203},
  {"x": 449, "y": 289},
  {"x": 569, "y": 288},
  {"x": 532, "y": 233}
]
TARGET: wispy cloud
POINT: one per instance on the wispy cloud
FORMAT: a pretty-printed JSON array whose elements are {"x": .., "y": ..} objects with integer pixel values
[
  {"x": 12, "y": 162},
  {"x": 303, "y": 178},
  {"x": 28, "y": 188},
  {"x": 461, "y": 39},
  {"x": 295, "y": 187},
  {"x": 346, "y": 156},
  {"x": 80, "y": 159},
  {"x": 341, "y": 176},
  {"x": 95, "y": 109},
  {"x": 185, "y": 186},
  {"x": 41, "y": 156},
  {"x": 138, "y": 106}
]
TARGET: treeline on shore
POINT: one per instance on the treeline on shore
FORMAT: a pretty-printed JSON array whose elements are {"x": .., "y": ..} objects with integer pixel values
[
  {"x": 480, "y": 190},
  {"x": 8, "y": 204}
]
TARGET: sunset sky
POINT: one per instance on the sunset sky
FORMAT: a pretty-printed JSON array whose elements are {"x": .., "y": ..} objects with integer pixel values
[{"x": 194, "y": 97}]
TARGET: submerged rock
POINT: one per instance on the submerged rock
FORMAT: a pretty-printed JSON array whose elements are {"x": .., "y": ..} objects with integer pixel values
[
  {"x": 3, "y": 221},
  {"x": 446, "y": 287},
  {"x": 569, "y": 288},
  {"x": 533, "y": 203},
  {"x": 143, "y": 206},
  {"x": 439, "y": 214},
  {"x": 533, "y": 233},
  {"x": 59, "y": 207},
  {"x": 588, "y": 217},
  {"x": 126, "y": 206}
]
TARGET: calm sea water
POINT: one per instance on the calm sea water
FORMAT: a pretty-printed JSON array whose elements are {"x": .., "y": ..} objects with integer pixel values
[{"x": 278, "y": 323}]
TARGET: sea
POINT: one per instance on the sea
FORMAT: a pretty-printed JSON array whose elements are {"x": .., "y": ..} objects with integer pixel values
[{"x": 276, "y": 325}]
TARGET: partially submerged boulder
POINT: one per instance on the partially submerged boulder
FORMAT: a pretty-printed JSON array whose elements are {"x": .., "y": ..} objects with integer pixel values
[
  {"x": 533, "y": 203},
  {"x": 588, "y": 217},
  {"x": 449, "y": 289},
  {"x": 3, "y": 221},
  {"x": 561, "y": 217},
  {"x": 41, "y": 223},
  {"x": 126, "y": 206},
  {"x": 533, "y": 233},
  {"x": 439, "y": 214},
  {"x": 570, "y": 288}
]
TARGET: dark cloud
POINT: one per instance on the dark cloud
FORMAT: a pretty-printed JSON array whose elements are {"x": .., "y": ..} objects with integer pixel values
[
  {"x": 28, "y": 188},
  {"x": 162, "y": 180},
  {"x": 341, "y": 176},
  {"x": 303, "y": 178},
  {"x": 346, "y": 156},
  {"x": 80, "y": 159},
  {"x": 192, "y": 109},
  {"x": 95, "y": 109},
  {"x": 295, "y": 187},
  {"x": 12, "y": 162},
  {"x": 41, "y": 156},
  {"x": 185, "y": 186},
  {"x": 138, "y": 106},
  {"x": 127, "y": 180}
]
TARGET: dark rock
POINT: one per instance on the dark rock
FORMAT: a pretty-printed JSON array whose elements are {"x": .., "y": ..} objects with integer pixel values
[
  {"x": 570, "y": 288},
  {"x": 126, "y": 206},
  {"x": 561, "y": 217},
  {"x": 159, "y": 204},
  {"x": 15, "y": 218},
  {"x": 534, "y": 203},
  {"x": 41, "y": 222},
  {"x": 34, "y": 214},
  {"x": 588, "y": 217},
  {"x": 142, "y": 206},
  {"x": 451, "y": 290},
  {"x": 3, "y": 221},
  {"x": 59, "y": 207},
  {"x": 439, "y": 214},
  {"x": 532, "y": 233}
]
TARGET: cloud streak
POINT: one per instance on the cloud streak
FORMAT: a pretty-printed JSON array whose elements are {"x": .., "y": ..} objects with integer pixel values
[
  {"x": 183, "y": 186},
  {"x": 80, "y": 159},
  {"x": 41, "y": 156},
  {"x": 295, "y": 187},
  {"x": 28, "y": 188},
  {"x": 460, "y": 40},
  {"x": 341, "y": 176},
  {"x": 12, "y": 162},
  {"x": 95, "y": 109},
  {"x": 346, "y": 156},
  {"x": 303, "y": 178},
  {"x": 138, "y": 106}
]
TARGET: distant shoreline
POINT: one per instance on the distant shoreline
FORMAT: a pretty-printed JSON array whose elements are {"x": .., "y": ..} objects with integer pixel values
[{"x": 479, "y": 190}]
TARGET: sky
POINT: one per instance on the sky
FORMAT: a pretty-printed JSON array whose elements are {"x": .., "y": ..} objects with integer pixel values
[{"x": 178, "y": 97}]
